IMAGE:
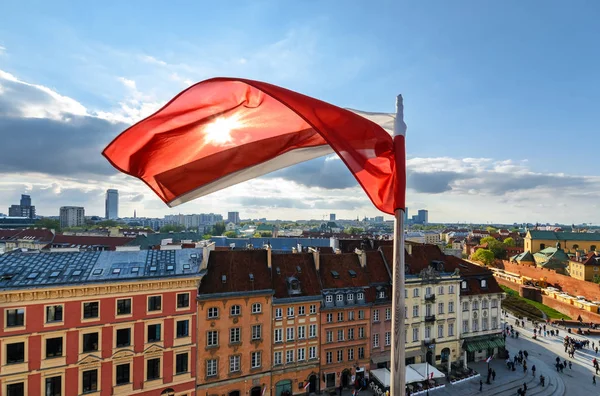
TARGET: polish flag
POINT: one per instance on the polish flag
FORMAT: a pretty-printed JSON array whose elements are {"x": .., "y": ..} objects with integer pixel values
[
  {"x": 224, "y": 131},
  {"x": 489, "y": 359},
  {"x": 306, "y": 385}
]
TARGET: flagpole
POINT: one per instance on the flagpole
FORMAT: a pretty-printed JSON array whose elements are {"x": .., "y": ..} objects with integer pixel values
[{"x": 398, "y": 361}]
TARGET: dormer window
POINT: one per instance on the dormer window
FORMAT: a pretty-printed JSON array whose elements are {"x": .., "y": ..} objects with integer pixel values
[
  {"x": 463, "y": 285},
  {"x": 483, "y": 283},
  {"x": 350, "y": 297},
  {"x": 381, "y": 294},
  {"x": 329, "y": 299},
  {"x": 360, "y": 296},
  {"x": 340, "y": 297}
]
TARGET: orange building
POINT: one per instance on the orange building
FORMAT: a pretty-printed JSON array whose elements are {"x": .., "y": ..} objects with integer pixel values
[
  {"x": 99, "y": 323},
  {"x": 234, "y": 321}
]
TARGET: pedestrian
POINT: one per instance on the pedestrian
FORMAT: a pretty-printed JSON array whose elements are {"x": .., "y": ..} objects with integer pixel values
[
  {"x": 520, "y": 392},
  {"x": 493, "y": 375},
  {"x": 526, "y": 354},
  {"x": 543, "y": 380},
  {"x": 596, "y": 350},
  {"x": 341, "y": 388},
  {"x": 593, "y": 379},
  {"x": 533, "y": 370},
  {"x": 524, "y": 387},
  {"x": 480, "y": 386},
  {"x": 570, "y": 365}
]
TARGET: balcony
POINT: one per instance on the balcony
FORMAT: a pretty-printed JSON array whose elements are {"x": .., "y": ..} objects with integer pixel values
[
  {"x": 430, "y": 318},
  {"x": 430, "y": 298},
  {"x": 428, "y": 342}
]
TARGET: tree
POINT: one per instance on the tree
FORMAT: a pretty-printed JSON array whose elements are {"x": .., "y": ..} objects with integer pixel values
[
  {"x": 172, "y": 228},
  {"x": 510, "y": 242},
  {"x": 230, "y": 234},
  {"x": 266, "y": 234},
  {"x": 256, "y": 235},
  {"x": 491, "y": 230},
  {"x": 107, "y": 223},
  {"x": 485, "y": 256},
  {"x": 206, "y": 236},
  {"x": 353, "y": 230},
  {"x": 495, "y": 246},
  {"x": 50, "y": 224},
  {"x": 218, "y": 228}
]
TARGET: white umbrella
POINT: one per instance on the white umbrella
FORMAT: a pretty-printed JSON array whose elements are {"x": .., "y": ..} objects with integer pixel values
[
  {"x": 383, "y": 376},
  {"x": 413, "y": 376},
  {"x": 426, "y": 370}
]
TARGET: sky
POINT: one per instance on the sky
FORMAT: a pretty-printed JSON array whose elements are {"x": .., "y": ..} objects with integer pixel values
[{"x": 501, "y": 99}]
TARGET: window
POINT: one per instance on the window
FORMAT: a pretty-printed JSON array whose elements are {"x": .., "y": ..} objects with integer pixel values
[
  {"x": 301, "y": 332},
  {"x": 360, "y": 296},
  {"x": 152, "y": 369},
  {"x": 17, "y": 389},
  {"x": 181, "y": 363},
  {"x": 211, "y": 367},
  {"x": 340, "y": 317},
  {"x": 340, "y": 355},
  {"x": 350, "y": 354},
  {"x": 388, "y": 314},
  {"x": 405, "y": 293},
  {"x": 329, "y": 336},
  {"x": 301, "y": 354},
  {"x": 465, "y": 306},
  {"x": 361, "y": 332},
  {"x": 278, "y": 313},
  {"x": 183, "y": 328},
  {"x": 388, "y": 338},
  {"x": 340, "y": 335},
  {"x": 494, "y": 322},
  {"x": 415, "y": 311},
  {"x": 376, "y": 315},
  {"x": 329, "y": 318},
  {"x": 475, "y": 304},
  {"x": 329, "y": 357},
  {"x": 381, "y": 294},
  {"x": 361, "y": 352},
  {"x": 475, "y": 325},
  {"x": 465, "y": 326},
  {"x": 440, "y": 331},
  {"x": 415, "y": 334},
  {"x": 451, "y": 289},
  {"x": 484, "y": 304},
  {"x": 351, "y": 315},
  {"x": 484, "y": 324},
  {"x": 124, "y": 306},
  {"x": 154, "y": 303},
  {"x": 361, "y": 314},
  {"x": 494, "y": 303},
  {"x": 90, "y": 342},
  {"x": 53, "y": 386},
  {"x": 289, "y": 334},
  {"x": 122, "y": 374},
  {"x": 301, "y": 310},
  {"x": 256, "y": 308},
  {"x": 375, "y": 340},
  {"x": 290, "y": 312},
  {"x": 313, "y": 309},
  {"x": 235, "y": 310},
  {"x": 415, "y": 292},
  {"x": 183, "y": 300},
  {"x": 234, "y": 335},
  {"x": 329, "y": 299},
  {"x": 441, "y": 290},
  {"x": 312, "y": 331},
  {"x": 15, "y": 353},
  {"x": 278, "y": 335},
  {"x": 405, "y": 312},
  {"x": 339, "y": 298},
  {"x": 463, "y": 285},
  {"x": 450, "y": 329},
  {"x": 234, "y": 364},
  {"x": 312, "y": 352},
  {"x": 428, "y": 310},
  {"x": 154, "y": 332},
  {"x": 255, "y": 359},
  {"x": 89, "y": 380},
  {"x": 350, "y": 297},
  {"x": 289, "y": 356},
  {"x": 440, "y": 308},
  {"x": 123, "y": 338},
  {"x": 451, "y": 307},
  {"x": 350, "y": 334},
  {"x": 256, "y": 332},
  {"x": 90, "y": 310},
  {"x": 277, "y": 358},
  {"x": 54, "y": 313},
  {"x": 213, "y": 313},
  {"x": 54, "y": 347},
  {"x": 427, "y": 291}
]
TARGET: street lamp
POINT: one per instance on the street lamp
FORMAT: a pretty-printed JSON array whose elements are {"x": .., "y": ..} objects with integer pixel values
[{"x": 432, "y": 346}]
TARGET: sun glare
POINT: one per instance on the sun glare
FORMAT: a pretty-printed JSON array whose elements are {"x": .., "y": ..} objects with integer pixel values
[{"x": 219, "y": 131}]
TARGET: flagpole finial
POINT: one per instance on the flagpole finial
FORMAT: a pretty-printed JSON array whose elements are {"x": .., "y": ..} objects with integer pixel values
[{"x": 399, "y": 124}]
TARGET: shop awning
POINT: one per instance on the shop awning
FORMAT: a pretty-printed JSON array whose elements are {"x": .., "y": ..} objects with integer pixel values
[
  {"x": 380, "y": 359},
  {"x": 426, "y": 370},
  {"x": 483, "y": 343}
]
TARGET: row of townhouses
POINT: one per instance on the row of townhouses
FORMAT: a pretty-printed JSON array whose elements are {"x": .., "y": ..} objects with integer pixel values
[{"x": 216, "y": 321}]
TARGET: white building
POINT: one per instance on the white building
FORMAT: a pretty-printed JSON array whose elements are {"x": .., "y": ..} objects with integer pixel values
[
  {"x": 111, "y": 204},
  {"x": 72, "y": 216}
]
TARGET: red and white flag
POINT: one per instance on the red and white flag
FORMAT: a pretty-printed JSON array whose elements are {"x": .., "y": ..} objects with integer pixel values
[
  {"x": 489, "y": 359},
  {"x": 306, "y": 385},
  {"x": 224, "y": 131}
]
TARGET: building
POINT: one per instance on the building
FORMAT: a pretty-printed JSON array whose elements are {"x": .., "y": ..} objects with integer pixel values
[
  {"x": 235, "y": 314},
  {"x": 423, "y": 216},
  {"x": 585, "y": 268},
  {"x": 72, "y": 216},
  {"x": 24, "y": 209},
  {"x": 380, "y": 285},
  {"x": 111, "y": 204},
  {"x": 27, "y": 239},
  {"x": 110, "y": 323},
  {"x": 83, "y": 243},
  {"x": 233, "y": 217},
  {"x": 16, "y": 222},
  {"x": 432, "y": 238},
  {"x": 536, "y": 240},
  {"x": 332, "y": 217}
]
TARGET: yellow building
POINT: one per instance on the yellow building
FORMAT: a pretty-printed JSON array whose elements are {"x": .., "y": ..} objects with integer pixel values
[
  {"x": 585, "y": 268},
  {"x": 536, "y": 240}
]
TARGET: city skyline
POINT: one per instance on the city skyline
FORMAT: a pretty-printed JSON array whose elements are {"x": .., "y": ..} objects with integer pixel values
[{"x": 484, "y": 107}]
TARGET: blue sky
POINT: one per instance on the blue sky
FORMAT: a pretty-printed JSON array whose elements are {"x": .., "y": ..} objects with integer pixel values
[{"x": 514, "y": 84}]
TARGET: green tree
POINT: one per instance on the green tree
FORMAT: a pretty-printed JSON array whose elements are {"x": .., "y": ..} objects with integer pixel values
[
  {"x": 495, "y": 246},
  {"x": 230, "y": 234},
  {"x": 50, "y": 224},
  {"x": 218, "y": 228},
  {"x": 256, "y": 235},
  {"x": 266, "y": 234},
  {"x": 485, "y": 256},
  {"x": 107, "y": 223},
  {"x": 206, "y": 236},
  {"x": 491, "y": 230},
  {"x": 510, "y": 242},
  {"x": 172, "y": 228},
  {"x": 353, "y": 230}
]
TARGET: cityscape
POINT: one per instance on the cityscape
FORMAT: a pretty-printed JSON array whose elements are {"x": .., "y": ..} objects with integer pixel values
[{"x": 299, "y": 199}]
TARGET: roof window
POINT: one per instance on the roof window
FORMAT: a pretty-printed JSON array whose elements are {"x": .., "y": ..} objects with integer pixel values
[
  {"x": 170, "y": 267},
  {"x": 54, "y": 274},
  {"x": 153, "y": 268},
  {"x": 335, "y": 274},
  {"x": 186, "y": 266},
  {"x": 76, "y": 273},
  {"x": 116, "y": 271},
  {"x": 97, "y": 272},
  {"x": 352, "y": 273},
  {"x": 33, "y": 275},
  {"x": 135, "y": 270}
]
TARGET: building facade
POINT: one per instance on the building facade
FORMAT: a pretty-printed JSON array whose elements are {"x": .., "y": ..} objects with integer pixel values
[
  {"x": 233, "y": 217},
  {"x": 72, "y": 216},
  {"x": 23, "y": 209},
  {"x": 380, "y": 288},
  {"x": 111, "y": 204},
  {"x": 536, "y": 240},
  {"x": 98, "y": 323},
  {"x": 585, "y": 268}
]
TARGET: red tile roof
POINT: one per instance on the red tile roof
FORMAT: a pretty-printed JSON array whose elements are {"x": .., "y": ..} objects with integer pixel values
[
  {"x": 342, "y": 263},
  {"x": 236, "y": 265},
  {"x": 8, "y": 233},
  {"x": 298, "y": 265},
  {"x": 79, "y": 241},
  {"x": 376, "y": 268},
  {"x": 35, "y": 234}
]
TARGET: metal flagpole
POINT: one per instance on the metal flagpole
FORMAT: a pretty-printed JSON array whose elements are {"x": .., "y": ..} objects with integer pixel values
[{"x": 398, "y": 361}]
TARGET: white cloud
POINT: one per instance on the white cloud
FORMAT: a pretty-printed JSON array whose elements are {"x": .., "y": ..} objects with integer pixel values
[
  {"x": 2, "y": 49},
  {"x": 128, "y": 83}
]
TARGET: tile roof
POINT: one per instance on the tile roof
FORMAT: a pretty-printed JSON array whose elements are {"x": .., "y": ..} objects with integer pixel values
[
  {"x": 8, "y": 233},
  {"x": 278, "y": 244},
  {"x": 147, "y": 241},
  {"x": 236, "y": 265},
  {"x": 564, "y": 236},
  {"x": 88, "y": 241},
  {"x": 43, "y": 269},
  {"x": 35, "y": 234},
  {"x": 473, "y": 274},
  {"x": 376, "y": 268},
  {"x": 525, "y": 257},
  {"x": 300, "y": 266},
  {"x": 342, "y": 264}
]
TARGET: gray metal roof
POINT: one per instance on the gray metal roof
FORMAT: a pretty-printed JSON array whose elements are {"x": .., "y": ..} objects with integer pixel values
[{"x": 27, "y": 270}]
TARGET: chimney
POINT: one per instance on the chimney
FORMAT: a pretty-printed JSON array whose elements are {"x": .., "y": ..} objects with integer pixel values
[
  {"x": 206, "y": 249},
  {"x": 362, "y": 256},
  {"x": 316, "y": 257},
  {"x": 577, "y": 254},
  {"x": 268, "y": 249},
  {"x": 409, "y": 249}
]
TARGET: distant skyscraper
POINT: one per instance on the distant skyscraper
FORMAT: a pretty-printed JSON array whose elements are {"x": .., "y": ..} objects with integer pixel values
[
  {"x": 233, "y": 217},
  {"x": 406, "y": 215},
  {"x": 332, "y": 217},
  {"x": 72, "y": 216},
  {"x": 423, "y": 216},
  {"x": 24, "y": 209},
  {"x": 111, "y": 204}
]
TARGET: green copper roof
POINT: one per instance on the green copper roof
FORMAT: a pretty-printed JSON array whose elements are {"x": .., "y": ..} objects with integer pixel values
[
  {"x": 525, "y": 256},
  {"x": 564, "y": 236}
]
